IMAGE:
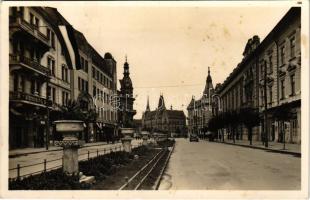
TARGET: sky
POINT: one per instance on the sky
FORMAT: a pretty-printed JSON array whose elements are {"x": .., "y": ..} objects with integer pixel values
[{"x": 169, "y": 49}]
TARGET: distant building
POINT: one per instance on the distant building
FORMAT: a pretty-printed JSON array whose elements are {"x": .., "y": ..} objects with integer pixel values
[
  {"x": 125, "y": 94},
  {"x": 200, "y": 110},
  {"x": 269, "y": 74},
  {"x": 164, "y": 120}
]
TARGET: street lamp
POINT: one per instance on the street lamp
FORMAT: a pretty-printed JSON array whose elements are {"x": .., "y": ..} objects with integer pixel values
[{"x": 47, "y": 110}]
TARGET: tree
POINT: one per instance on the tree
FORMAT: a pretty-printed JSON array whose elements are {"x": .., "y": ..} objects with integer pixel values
[
  {"x": 250, "y": 118},
  {"x": 282, "y": 113},
  {"x": 73, "y": 111}
]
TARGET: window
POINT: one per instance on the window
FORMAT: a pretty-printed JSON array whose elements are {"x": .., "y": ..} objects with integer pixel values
[
  {"x": 15, "y": 82},
  {"x": 86, "y": 86},
  {"x": 282, "y": 89},
  {"x": 93, "y": 72},
  {"x": 36, "y": 22},
  {"x": 79, "y": 84},
  {"x": 86, "y": 66},
  {"x": 51, "y": 65},
  {"x": 270, "y": 64},
  {"x": 292, "y": 46},
  {"x": 65, "y": 98},
  {"x": 48, "y": 34},
  {"x": 94, "y": 91},
  {"x": 53, "y": 40},
  {"x": 293, "y": 84},
  {"x": 101, "y": 77},
  {"x": 97, "y": 75},
  {"x": 82, "y": 63},
  {"x": 270, "y": 94},
  {"x": 32, "y": 86},
  {"x": 31, "y": 19},
  {"x": 282, "y": 54},
  {"x": 64, "y": 73},
  {"x": 53, "y": 94}
]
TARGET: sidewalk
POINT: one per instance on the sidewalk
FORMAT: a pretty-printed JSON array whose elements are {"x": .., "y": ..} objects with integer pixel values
[
  {"x": 293, "y": 149},
  {"x": 26, "y": 151}
]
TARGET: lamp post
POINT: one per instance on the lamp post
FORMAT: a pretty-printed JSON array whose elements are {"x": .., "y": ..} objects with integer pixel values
[
  {"x": 265, "y": 105},
  {"x": 47, "y": 111}
]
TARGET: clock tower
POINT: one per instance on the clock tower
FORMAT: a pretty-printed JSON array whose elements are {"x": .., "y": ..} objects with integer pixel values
[{"x": 126, "y": 111}]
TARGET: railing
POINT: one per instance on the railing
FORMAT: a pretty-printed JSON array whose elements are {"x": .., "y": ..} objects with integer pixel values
[
  {"x": 16, "y": 95},
  {"x": 48, "y": 165},
  {"x": 26, "y": 26},
  {"x": 29, "y": 62}
]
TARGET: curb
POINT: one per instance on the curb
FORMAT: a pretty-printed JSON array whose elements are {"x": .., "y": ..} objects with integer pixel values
[
  {"x": 157, "y": 183},
  {"x": 297, "y": 154}
]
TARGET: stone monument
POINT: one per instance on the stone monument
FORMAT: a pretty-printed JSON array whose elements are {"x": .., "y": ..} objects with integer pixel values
[{"x": 70, "y": 143}]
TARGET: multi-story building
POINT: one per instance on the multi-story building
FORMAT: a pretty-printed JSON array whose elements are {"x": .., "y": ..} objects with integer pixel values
[
  {"x": 94, "y": 87},
  {"x": 200, "y": 111},
  {"x": 39, "y": 65},
  {"x": 44, "y": 75},
  {"x": 268, "y": 80},
  {"x": 164, "y": 120}
]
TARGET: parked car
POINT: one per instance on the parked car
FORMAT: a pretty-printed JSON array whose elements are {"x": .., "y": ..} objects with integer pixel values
[{"x": 193, "y": 137}]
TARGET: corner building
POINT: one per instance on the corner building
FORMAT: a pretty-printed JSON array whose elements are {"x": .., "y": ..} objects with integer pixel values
[{"x": 269, "y": 72}]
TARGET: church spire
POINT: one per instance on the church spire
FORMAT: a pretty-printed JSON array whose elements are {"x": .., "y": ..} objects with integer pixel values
[
  {"x": 126, "y": 67},
  {"x": 148, "y": 104},
  {"x": 161, "y": 103},
  {"x": 209, "y": 84}
]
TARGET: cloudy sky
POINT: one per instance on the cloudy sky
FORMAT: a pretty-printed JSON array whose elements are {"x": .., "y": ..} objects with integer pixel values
[{"x": 169, "y": 49}]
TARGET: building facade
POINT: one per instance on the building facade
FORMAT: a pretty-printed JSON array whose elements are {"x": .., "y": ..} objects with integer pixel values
[
  {"x": 164, "y": 120},
  {"x": 39, "y": 74},
  {"x": 45, "y": 75},
  {"x": 94, "y": 87},
  {"x": 268, "y": 80},
  {"x": 200, "y": 111}
]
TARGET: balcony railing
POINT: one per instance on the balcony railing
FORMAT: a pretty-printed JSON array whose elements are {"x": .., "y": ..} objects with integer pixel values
[
  {"x": 21, "y": 96},
  {"x": 29, "y": 28},
  {"x": 17, "y": 59}
]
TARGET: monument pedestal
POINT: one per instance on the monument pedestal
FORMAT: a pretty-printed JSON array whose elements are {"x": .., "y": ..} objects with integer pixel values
[
  {"x": 126, "y": 140},
  {"x": 70, "y": 144},
  {"x": 145, "y": 137}
]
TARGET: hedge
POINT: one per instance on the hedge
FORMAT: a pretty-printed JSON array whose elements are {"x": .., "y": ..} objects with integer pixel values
[{"x": 100, "y": 167}]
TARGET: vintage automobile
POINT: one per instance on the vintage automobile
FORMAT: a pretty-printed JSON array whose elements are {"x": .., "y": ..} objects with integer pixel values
[{"x": 193, "y": 137}]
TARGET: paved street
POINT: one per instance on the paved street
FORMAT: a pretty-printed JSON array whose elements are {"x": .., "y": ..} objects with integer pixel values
[
  {"x": 207, "y": 165},
  {"x": 55, "y": 158}
]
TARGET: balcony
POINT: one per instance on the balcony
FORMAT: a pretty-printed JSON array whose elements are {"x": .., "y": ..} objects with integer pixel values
[
  {"x": 29, "y": 98},
  {"x": 19, "y": 25},
  {"x": 29, "y": 63}
]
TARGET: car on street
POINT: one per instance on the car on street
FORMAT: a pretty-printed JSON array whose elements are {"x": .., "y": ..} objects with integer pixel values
[{"x": 193, "y": 137}]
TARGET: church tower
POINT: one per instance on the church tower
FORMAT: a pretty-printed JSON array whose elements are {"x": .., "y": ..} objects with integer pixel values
[
  {"x": 161, "y": 103},
  {"x": 147, "y": 105},
  {"x": 209, "y": 85},
  {"x": 126, "y": 98}
]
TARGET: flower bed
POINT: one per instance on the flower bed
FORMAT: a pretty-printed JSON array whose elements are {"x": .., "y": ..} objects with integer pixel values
[{"x": 100, "y": 167}]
